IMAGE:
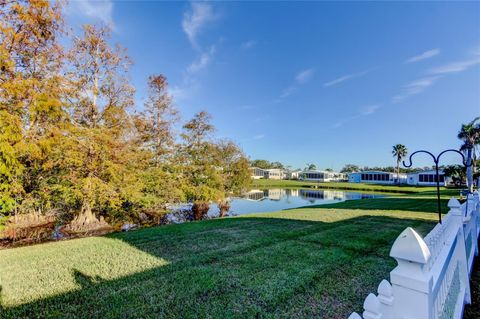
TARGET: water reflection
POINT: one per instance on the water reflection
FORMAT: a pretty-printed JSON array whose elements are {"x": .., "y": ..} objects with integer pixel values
[
  {"x": 267, "y": 200},
  {"x": 307, "y": 194}
]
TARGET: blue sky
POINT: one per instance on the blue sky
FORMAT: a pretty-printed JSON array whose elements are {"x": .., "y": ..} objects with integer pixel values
[{"x": 300, "y": 82}]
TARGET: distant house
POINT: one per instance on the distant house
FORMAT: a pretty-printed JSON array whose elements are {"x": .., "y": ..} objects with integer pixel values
[
  {"x": 321, "y": 176},
  {"x": 292, "y": 174},
  {"x": 377, "y": 177},
  {"x": 257, "y": 173},
  {"x": 272, "y": 173},
  {"x": 427, "y": 178}
]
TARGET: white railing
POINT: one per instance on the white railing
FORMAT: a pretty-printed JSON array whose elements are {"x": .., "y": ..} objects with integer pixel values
[{"x": 432, "y": 279}]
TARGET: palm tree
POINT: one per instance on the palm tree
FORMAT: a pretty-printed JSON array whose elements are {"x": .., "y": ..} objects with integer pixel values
[
  {"x": 399, "y": 151},
  {"x": 470, "y": 135}
]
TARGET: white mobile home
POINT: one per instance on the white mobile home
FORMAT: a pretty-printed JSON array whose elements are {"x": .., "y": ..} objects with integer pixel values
[
  {"x": 292, "y": 174},
  {"x": 377, "y": 177},
  {"x": 274, "y": 173},
  {"x": 321, "y": 176},
  {"x": 257, "y": 173},
  {"x": 427, "y": 178}
]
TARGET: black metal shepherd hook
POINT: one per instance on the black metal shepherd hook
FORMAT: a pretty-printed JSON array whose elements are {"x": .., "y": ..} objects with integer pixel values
[{"x": 437, "y": 179}]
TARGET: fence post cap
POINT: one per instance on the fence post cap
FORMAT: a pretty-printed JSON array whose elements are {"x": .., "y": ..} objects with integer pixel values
[
  {"x": 453, "y": 203},
  {"x": 385, "y": 288},
  {"x": 371, "y": 304},
  {"x": 410, "y": 246}
]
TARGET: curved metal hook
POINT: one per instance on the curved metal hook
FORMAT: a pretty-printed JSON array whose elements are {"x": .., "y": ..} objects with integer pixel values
[
  {"x": 461, "y": 154},
  {"x": 464, "y": 162},
  {"x": 411, "y": 155}
]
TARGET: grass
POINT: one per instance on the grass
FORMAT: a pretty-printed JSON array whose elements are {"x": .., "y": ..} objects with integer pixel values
[
  {"x": 299, "y": 263},
  {"x": 405, "y": 189}
]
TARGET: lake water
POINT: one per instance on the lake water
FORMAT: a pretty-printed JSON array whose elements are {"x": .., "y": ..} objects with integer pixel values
[{"x": 270, "y": 200}]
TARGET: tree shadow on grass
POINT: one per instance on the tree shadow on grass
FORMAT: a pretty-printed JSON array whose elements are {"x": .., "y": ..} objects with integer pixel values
[{"x": 238, "y": 268}]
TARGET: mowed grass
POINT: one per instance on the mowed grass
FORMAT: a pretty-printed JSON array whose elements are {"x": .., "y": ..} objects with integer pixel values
[
  {"x": 269, "y": 183},
  {"x": 300, "y": 263}
]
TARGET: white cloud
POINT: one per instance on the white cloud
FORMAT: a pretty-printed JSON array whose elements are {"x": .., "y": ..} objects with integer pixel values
[
  {"x": 365, "y": 111},
  {"x": 201, "y": 62},
  {"x": 420, "y": 85},
  {"x": 345, "y": 78},
  {"x": 288, "y": 91},
  {"x": 423, "y": 56},
  {"x": 455, "y": 67},
  {"x": 304, "y": 76},
  {"x": 259, "y": 136},
  {"x": 101, "y": 10},
  {"x": 370, "y": 109},
  {"x": 301, "y": 78},
  {"x": 415, "y": 87},
  {"x": 248, "y": 44},
  {"x": 196, "y": 19}
]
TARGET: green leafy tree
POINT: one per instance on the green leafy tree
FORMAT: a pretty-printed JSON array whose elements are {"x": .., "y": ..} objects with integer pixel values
[
  {"x": 30, "y": 111},
  {"x": 234, "y": 171},
  {"x": 99, "y": 96},
  {"x": 260, "y": 163},
  {"x": 350, "y": 168},
  {"x": 456, "y": 172},
  {"x": 203, "y": 180}
]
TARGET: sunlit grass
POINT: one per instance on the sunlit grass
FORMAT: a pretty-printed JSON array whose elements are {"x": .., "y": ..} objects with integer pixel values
[
  {"x": 299, "y": 263},
  {"x": 31, "y": 273}
]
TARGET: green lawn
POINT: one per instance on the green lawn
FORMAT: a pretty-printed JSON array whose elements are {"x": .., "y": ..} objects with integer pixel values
[
  {"x": 268, "y": 183},
  {"x": 300, "y": 263}
]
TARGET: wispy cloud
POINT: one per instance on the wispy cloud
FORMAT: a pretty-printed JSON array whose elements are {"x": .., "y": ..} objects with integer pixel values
[
  {"x": 346, "y": 77},
  {"x": 197, "y": 18},
  {"x": 301, "y": 78},
  {"x": 288, "y": 91},
  {"x": 190, "y": 75},
  {"x": 245, "y": 107},
  {"x": 304, "y": 76},
  {"x": 434, "y": 74},
  {"x": 365, "y": 111},
  {"x": 370, "y": 109},
  {"x": 248, "y": 44},
  {"x": 455, "y": 67},
  {"x": 201, "y": 62},
  {"x": 423, "y": 56},
  {"x": 98, "y": 10},
  {"x": 415, "y": 87},
  {"x": 259, "y": 136}
]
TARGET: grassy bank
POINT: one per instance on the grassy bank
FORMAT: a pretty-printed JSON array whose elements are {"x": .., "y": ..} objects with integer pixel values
[
  {"x": 300, "y": 263},
  {"x": 405, "y": 189}
]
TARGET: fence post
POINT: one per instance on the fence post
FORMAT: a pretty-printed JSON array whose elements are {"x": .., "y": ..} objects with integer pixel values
[
  {"x": 457, "y": 215},
  {"x": 385, "y": 296},
  {"x": 411, "y": 282},
  {"x": 476, "y": 215}
]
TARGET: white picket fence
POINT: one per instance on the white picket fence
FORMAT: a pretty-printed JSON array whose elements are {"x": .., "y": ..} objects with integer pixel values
[{"x": 432, "y": 279}]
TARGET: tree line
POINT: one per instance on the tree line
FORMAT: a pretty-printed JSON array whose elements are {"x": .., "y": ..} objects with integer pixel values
[{"x": 72, "y": 138}]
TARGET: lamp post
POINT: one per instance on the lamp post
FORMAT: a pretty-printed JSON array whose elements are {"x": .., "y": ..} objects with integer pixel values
[{"x": 436, "y": 159}]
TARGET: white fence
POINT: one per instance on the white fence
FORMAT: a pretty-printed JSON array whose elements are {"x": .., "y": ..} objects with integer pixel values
[{"x": 432, "y": 279}]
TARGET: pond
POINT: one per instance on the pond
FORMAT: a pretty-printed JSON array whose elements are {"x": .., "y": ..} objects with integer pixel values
[{"x": 270, "y": 200}]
